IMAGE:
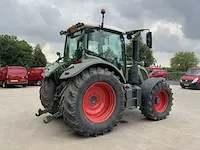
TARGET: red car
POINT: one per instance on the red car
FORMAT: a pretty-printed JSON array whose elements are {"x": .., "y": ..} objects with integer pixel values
[
  {"x": 13, "y": 75},
  {"x": 35, "y": 76},
  {"x": 156, "y": 72},
  {"x": 191, "y": 79}
]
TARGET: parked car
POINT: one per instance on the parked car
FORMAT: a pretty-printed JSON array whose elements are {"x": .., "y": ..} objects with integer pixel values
[
  {"x": 157, "y": 72},
  {"x": 35, "y": 76},
  {"x": 13, "y": 75},
  {"x": 191, "y": 79},
  {"x": 151, "y": 69}
]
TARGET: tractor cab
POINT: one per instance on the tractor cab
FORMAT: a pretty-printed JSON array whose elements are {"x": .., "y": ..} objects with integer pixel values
[
  {"x": 103, "y": 42},
  {"x": 92, "y": 40}
]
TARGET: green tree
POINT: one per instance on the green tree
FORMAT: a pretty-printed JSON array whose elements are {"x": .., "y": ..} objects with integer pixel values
[
  {"x": 183, "y": 60},
  {"x": 39, "y": 59},
  {"x": 144, "y": 51},
  {"x": 14, "y": 51}
]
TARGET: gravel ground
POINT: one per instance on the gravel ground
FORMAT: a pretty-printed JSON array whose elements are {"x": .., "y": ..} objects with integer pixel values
[{"x": 20, "y": 129}]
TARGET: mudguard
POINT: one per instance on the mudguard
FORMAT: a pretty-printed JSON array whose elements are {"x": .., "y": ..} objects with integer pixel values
[
  {"x": 147, "y": 87},
  {"x": 75, "y": 69}
]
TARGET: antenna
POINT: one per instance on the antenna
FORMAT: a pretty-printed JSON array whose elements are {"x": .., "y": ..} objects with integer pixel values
[{"x": 102, "y": 12}]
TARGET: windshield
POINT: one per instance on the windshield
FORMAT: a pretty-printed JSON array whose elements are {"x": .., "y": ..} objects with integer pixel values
[
  {"x": 17, "y": 71},
  {"x": 106, "y": 44},
  {"x": 102, "y": 43},
  {"x": 74, "y": 42},
  {"x": 193, "y": 72}
]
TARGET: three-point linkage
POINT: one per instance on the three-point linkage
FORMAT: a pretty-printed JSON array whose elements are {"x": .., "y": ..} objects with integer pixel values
[
  {"x": 40, "y": 112},
  {"x": 48, "y": 118}
]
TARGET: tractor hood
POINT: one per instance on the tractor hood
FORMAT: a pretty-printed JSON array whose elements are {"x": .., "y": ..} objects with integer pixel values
[{"x": 55, "y": 66}]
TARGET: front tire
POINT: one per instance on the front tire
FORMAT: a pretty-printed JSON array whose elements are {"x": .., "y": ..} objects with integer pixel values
[
  {"x": 93, "y": 102},
  {"x": 159, "y": 102},
  {"x": 47, "y": 91},
  {"x": 182, "y": 86}
]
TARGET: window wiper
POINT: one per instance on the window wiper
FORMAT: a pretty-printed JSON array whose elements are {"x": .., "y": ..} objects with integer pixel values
[
  {"x": 94, "y": 54},
  {"x": 91, "y": 52},
  {"x": 78, "y": 53}
]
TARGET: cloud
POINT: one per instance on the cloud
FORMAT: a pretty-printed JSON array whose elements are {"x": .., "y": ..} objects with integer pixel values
[
  {"x": 174, "y": 22},
  {"x": 34, "y": 20},
  {"x": 46, "y": 49}
]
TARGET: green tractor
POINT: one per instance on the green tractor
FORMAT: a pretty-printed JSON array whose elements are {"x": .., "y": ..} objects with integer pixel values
[{"x": 92, "y": 84}]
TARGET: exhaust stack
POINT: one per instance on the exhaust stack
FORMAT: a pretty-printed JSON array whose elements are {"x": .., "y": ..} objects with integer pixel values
[
  {"x": 134, "y": 80},
  {"x": 102, "y": 12}
]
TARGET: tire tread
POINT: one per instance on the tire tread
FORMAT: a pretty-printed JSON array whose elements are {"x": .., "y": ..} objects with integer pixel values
[{"x": 69, "y": 103}]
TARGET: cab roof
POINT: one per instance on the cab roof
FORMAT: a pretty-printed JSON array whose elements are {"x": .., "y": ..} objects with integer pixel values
[
  {"x": 79, "y": 25},
  {"x": 106, "y": 27}
]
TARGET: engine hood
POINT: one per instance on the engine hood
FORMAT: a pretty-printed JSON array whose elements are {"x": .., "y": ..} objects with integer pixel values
[
  {"x": 55, "y": 66},
  {"x": 189, "y": 77}
]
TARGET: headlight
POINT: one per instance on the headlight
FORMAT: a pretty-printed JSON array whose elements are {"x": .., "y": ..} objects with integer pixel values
[
  {"x": 195, "y": 80},
  {"x": 181, "y": 80}
]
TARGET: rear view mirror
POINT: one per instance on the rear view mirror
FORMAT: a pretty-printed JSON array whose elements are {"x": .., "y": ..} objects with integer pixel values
[
  {"x": 59, "y": 56},
  {"x": 129, "y": 36},
  {"x": 58, "y": 53},
  {"x": 149, "y": 39}
]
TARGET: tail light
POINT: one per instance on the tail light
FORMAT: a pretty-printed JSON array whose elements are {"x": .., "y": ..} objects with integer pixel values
[{"x": 25, "y": 77}]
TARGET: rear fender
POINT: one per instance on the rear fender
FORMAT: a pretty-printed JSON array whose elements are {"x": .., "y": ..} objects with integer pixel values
[
  {"x": 147, "y": 87},
  {"x": 75, "y": 69}
]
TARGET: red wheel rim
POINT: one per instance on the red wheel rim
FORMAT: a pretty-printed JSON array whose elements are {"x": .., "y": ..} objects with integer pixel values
[
  {"x": 99, "y": 102},
  {"x": 162, "y": 100}
]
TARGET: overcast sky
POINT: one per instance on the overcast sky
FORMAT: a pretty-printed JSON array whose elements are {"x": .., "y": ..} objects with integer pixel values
[{"x": 174, "y": 23}]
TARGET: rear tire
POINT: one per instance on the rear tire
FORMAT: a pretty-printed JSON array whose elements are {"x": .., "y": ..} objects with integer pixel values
[
  {"x": 162, "y": 95},
  {"x": 87, "y": 115},
  {"x": 47, "y": 91}
]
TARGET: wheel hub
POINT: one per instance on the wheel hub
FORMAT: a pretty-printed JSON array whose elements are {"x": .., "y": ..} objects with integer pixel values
[
  {"x": 99, "y": 102},
  {"x": 157, "y": 101},
  {"x": 161, "y": 101},
  {"x": 93, "y": 100}
]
